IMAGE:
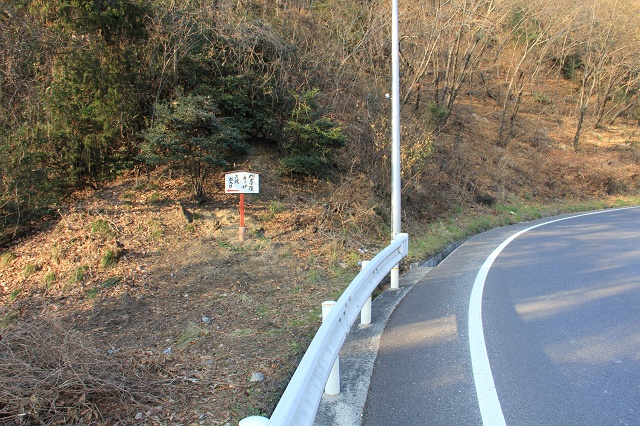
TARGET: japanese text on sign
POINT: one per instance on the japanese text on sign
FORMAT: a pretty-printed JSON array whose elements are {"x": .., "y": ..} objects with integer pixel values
[{"x": 242, "y": 183}]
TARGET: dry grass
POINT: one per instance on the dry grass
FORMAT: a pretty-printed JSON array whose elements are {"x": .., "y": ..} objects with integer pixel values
[
  {"x": 145, "y": 311},
  {"x": 52, "y": 375},
  {"x": 133, "y": 337}
]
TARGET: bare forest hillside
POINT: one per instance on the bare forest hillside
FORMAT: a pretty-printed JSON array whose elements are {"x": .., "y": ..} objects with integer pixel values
[{"x": 126, "y": 296}]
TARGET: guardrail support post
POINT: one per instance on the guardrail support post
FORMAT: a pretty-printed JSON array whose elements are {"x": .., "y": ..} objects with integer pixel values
[
  {"x": 296, "y": 405},
  {"x": 254, "y": 421},
  {"x": 365, "y": 313},
  {"x": 395, "y": 277},
  {"x": 333, "y": 382}
]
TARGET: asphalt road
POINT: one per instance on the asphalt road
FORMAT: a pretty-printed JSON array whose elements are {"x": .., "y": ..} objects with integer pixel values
[{"x": 537, "y": 323}]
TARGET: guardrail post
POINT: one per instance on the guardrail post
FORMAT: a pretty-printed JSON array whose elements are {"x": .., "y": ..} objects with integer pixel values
[
  {"x": 254, "y": 421},
  {"x": 299, "y": 402},
  {"x": 333, "y": 382},
  {"x": 365, "y": 313},
  {"x": 395, "y": 277}
]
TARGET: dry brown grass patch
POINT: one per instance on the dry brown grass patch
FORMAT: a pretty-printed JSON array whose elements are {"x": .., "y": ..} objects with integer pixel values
[{"x": 52, "y": 375}]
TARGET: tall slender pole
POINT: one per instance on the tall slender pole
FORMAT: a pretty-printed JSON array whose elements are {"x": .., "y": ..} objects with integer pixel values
[
  {"x": 242, "y": 231},
  {"x": 396, "y": 187},
  {"x": 242, "y": 210}
]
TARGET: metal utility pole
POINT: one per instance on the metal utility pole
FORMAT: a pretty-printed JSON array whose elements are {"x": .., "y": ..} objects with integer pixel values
[{"x": 396, "y": 187}]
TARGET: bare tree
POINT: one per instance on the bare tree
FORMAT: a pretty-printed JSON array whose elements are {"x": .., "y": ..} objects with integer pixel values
[
  {"x": 629, "y": 97},
  {"x": 445, "y": 42},
  {"x": 617, "y": 89},
  {"x": 600, "y": 50},
  {"x": 535, "y": 28},
  {"x": 172, "y": 29},
  {"x": 467, "y": 41}
]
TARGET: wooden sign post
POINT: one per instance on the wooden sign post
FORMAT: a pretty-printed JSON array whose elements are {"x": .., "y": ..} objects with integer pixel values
[{"x": 242, "y": 183}]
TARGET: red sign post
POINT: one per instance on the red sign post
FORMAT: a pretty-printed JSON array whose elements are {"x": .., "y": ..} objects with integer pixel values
[{"x": 242, "y": 183}]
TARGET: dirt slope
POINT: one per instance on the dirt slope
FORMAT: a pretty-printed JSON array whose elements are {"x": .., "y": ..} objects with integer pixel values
[
  {"x": 183, "y": 324},
  {"x": 190, "y": 310}
]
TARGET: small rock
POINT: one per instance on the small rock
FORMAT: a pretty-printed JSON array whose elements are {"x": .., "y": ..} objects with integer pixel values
[
  {"x": 206, "y": 319},
  {"x": 167, "y": 351},
  {"x": 139, "y": 416},
  {"x": 257, "y": 377}
]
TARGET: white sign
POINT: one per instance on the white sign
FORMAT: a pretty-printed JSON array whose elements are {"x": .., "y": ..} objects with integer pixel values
[{"x": 242, "y": 183}]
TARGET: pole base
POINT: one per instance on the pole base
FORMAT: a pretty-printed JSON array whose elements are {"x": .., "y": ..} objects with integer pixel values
[{"x": 242, "y": 233}]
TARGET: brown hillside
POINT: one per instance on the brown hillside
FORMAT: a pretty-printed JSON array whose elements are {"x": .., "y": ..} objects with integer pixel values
[
  {"x": 190, "y": 313},
  {"x": 119, "y": 308}
]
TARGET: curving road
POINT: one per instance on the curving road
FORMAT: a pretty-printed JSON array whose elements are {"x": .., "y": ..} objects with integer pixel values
[{"x": 532, "y": 324}]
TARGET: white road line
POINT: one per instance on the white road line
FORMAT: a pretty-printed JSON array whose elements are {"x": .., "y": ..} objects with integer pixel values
[{"x": 490, "y": 408}]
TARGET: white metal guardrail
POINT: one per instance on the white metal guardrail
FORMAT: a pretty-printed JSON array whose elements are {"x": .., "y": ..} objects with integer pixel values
[{"x": 299, "y": 403}]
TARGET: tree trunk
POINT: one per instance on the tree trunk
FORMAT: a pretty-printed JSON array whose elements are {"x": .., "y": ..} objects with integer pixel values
[{"x": 576, "y": 138}]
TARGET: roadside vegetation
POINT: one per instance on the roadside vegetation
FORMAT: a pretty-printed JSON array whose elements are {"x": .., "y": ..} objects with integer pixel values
[{"x": 456, "y": 227}]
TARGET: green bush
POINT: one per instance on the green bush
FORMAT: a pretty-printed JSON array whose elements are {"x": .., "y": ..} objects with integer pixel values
[
  {"x": 92, "y": 293},
  {"x": 14, "y": 294},
  {"x": 311, "y": 140},
  {"x": 435, "y": 115},
  {"x": 108, "y": 259},
  {"x": 6, "y": 259},
  {"x": 101, "y": 227},
  {"x": 78, "y": 274},
  {"x": 188, "y": 134},
  {"x": 111, "y": 282},
  {"x": 525, "y": 28},
  {"x": 94, "y": 97},
  {"x": 49, "y": 278},
  {"x": 28, "y": 270},
  {"x": 570, "y": 67},
  {"x": 244, "y": 86}
]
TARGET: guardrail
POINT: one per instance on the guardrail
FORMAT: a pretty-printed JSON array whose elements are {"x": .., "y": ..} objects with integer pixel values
[{"x": 299, "y": 402}]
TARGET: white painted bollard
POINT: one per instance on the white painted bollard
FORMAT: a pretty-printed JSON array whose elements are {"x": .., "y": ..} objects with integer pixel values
[
  {"x": 254, "y": 421},
  {"x": 395, "y": 277},
  {"x": 333, "y": 382},
  {"x": 365, "y": 313}
]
